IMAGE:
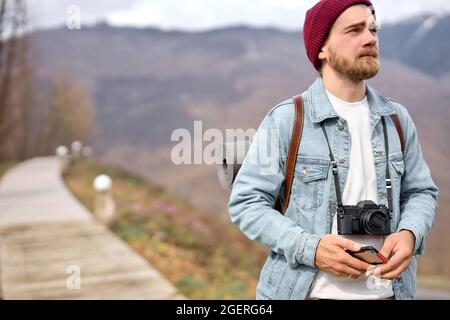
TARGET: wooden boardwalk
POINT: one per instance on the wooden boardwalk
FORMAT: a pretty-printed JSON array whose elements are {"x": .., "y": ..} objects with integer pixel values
[{"x": 51, "y": 247}]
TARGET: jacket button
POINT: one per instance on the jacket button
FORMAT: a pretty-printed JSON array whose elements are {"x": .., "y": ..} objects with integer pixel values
[
  {"x": 304, "y": 172},
  {"x": 340, "y": 126}
]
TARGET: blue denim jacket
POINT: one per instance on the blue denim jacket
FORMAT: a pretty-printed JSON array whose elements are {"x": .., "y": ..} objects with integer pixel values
[{"x": 289, "y": 268}]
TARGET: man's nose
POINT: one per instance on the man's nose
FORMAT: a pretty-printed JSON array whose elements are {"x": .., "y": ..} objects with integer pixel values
[{"x": 370, "y": 38}]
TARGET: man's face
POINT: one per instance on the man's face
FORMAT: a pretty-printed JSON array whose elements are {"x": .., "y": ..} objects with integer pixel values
[{"x": 352, "y": 45}]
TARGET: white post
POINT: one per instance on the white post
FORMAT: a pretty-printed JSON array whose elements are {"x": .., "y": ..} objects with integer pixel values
[
  {"x": 62, "y": 153},
  {"x": 75, "y": 150},
  {"x": 104, "y": 202},
  {"x": 86, "y": 152}
]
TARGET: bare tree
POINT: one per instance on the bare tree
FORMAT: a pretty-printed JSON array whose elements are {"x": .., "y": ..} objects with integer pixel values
[
  {"x": 70, "y": 116},
  {"x": 12, "y": 23},
  {"x": 2, "y": 23}
]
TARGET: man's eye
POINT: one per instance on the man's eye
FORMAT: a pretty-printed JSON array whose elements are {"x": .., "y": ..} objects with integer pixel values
[{"x": 357, "y": 30}]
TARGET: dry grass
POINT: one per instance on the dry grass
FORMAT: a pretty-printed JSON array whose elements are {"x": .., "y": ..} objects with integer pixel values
[{"x": 5, "y": 166}]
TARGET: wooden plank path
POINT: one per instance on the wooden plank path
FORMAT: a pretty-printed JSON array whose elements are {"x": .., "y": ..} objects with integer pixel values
[{"x": 51, "y": 246}]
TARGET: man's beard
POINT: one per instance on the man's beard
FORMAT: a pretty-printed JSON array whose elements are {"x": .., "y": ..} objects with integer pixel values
[{"x": 362, "y": 68}]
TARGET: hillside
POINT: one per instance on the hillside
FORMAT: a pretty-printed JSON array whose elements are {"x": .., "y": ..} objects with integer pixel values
[{"x": 424, "y": 44}]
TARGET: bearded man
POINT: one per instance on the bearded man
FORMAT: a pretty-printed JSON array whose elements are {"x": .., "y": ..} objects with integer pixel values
[{"x": 349, "y": 142}]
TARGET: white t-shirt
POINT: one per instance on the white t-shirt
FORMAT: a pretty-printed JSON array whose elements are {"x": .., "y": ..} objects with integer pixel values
[{"x": 361, "y": 184}]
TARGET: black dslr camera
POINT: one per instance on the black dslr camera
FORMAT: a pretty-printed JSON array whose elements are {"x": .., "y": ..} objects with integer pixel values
[{"x": 365, "y": 218}]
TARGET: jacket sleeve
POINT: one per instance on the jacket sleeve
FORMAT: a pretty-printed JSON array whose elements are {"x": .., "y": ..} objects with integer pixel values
[
  {"x": 418, "y": 195},
  {"x": 254, "y": 192}
]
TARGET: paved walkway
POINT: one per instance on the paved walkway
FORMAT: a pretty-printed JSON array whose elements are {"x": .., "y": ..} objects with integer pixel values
[{"x": 51, "y": 247}]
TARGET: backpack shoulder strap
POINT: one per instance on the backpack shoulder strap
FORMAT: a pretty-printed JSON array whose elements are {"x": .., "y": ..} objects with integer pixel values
[
  {"x": 292, "y": 155},
  {"x": 395, "y": 118}
]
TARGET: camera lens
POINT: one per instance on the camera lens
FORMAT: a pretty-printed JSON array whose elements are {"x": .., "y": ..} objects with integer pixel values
[{"x": 374, "y": 222}]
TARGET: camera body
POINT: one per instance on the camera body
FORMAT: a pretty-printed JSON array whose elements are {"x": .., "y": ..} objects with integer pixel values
[{"x": 366, "y": 218}]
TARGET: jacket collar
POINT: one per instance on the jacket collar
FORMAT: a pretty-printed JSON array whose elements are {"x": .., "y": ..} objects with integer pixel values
[{"x": 321, "y": 108}]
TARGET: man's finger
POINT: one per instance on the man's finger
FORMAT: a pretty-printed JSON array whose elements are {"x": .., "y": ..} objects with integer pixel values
[
  {"x": 339, "y": 274},
  {"x": 356, "y": 263},
  {"x": 388, "y": 246},
  {"x": 348, "y": 244},
  {"x": 349, "y": 271},
  {"x": 396, "y": 260},
  {"x": 396, "y": 273}
]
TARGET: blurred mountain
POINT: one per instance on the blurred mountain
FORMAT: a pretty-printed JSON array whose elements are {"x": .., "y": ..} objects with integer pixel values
[
  {"x": 420, "y": 42},
  {"x": 148, "y": 82}
]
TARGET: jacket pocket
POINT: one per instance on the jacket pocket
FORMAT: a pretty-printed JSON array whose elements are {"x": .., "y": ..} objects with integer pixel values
[{"x": 310, "y": 176}]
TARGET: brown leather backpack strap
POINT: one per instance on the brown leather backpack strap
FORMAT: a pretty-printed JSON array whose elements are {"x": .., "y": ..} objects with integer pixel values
[
  {"x": 293, "y": 149},
  {"x": 395, "y": 118}
]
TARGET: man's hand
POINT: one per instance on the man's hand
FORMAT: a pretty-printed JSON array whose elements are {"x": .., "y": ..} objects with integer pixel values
[
  {"x": 400, "y": 246},
  {"x": 331, "y": 257}
]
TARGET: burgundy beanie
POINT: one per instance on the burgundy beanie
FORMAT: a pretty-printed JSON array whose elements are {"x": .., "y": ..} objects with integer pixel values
[{"x": 318, "y": 22}]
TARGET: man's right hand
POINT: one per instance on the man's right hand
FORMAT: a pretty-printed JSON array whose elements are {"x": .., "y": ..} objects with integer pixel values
[{"x": 331, "y": 257}]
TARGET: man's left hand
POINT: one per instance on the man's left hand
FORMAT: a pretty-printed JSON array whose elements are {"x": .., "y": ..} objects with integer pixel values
[{"x": 399, "y": 246}]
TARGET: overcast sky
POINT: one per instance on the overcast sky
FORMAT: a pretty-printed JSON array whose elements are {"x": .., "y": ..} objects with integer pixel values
[{"x": 207, "y": 14}]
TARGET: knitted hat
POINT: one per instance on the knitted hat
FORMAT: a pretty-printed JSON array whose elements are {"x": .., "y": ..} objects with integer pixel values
[{"x": 318, "y": 22}]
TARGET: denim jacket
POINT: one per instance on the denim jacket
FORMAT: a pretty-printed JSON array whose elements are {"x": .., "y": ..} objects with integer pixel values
[{"x": 292, "y": 239}]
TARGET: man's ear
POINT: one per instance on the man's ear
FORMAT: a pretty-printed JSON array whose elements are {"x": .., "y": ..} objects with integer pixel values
[{"x": 322, "y": 55}]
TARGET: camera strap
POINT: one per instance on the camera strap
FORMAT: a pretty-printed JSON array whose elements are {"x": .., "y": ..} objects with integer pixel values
[{"x": 335, "y": 168}]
